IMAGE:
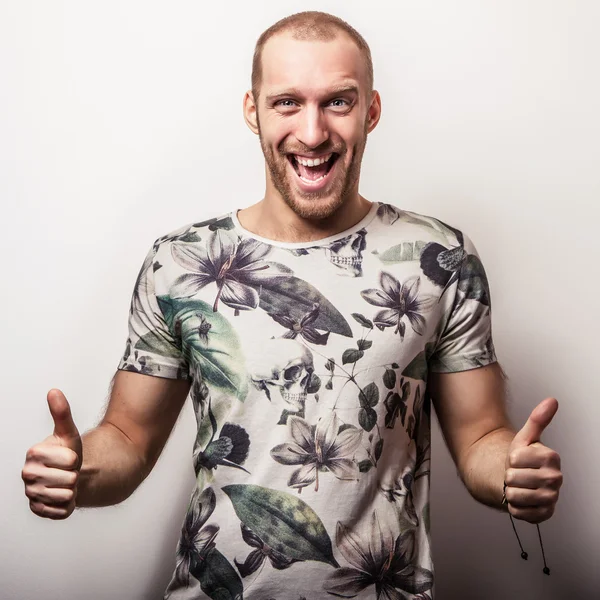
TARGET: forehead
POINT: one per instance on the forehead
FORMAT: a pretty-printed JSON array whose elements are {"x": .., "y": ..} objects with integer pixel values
[{"x": 311, "y": 65}]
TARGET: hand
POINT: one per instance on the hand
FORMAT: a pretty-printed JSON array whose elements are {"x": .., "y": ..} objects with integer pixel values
[
  {"x": 52, "y": 467},
  {"x": 533, "y": 477}
]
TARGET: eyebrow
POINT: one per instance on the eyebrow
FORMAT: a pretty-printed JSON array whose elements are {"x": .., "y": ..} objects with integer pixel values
[{"x": 342, "y": 89}]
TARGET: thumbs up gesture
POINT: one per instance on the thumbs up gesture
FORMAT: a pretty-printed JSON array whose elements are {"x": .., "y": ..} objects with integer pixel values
[
  {"x": 52, "y": 467},
  {"x": 533, "y": 477}
]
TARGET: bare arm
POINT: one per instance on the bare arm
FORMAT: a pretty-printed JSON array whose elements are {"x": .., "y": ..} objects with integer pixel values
[
  {"x": 471, "y": 409},
  {"x": 122, "y": 450},
  {"x": 105, "y": 465}
]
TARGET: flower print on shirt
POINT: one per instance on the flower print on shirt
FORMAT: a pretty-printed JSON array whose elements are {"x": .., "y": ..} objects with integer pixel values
[
  {"x": 399, "y": 300},
  {"x": 303, "y": 326},
  {"x": 196, "y": 539},
  {"x": 382, "y": 560},
  {"x": 326, "y": 446},
  {"x": 402, "y": 490},
  {"x": 236, "y": 266},
  {"x": 261, "y": 551}
]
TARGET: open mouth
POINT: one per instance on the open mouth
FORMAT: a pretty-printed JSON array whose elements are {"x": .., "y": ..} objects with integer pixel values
[{"x": 313, "y": 171}]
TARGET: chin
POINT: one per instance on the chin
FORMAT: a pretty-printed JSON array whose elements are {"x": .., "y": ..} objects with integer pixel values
[{"x": 318, "y": 208}]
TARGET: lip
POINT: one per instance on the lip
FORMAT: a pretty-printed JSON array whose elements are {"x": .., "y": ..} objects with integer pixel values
[{"x": 313, "y": 186}]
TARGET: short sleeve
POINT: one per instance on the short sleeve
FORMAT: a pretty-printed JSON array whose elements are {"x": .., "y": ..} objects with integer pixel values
[
  {"x": 466, "y": 339},
  {"x": 151, "y": 348}
]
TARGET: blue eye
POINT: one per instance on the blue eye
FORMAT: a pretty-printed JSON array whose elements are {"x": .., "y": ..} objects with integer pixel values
[{"x": 339, "y": 103}]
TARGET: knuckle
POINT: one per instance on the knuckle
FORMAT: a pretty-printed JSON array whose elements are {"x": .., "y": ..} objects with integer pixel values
[
  {"x": 515, "y": 512},
  {"x": 59, "y": 516},
  {"x": 554, "y": 481},
  {"x": 34, "y": 453},
  {"x": 72, "y": 460},
  {"x": 38, "y": 508},
  {"x": 513, "y": 458},
  {"x": 28, "y": 475},
  {"x": 510, "y": 476},
  {"x": 31, "y": 493}
]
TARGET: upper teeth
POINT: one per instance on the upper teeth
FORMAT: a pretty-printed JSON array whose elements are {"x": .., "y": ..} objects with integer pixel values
[{"x": 313, "y": 162}]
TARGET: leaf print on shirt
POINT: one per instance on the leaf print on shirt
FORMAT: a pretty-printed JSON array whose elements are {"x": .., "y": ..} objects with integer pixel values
[
  {"x": 144, "y": 318},
  {"x": 383, "y": 560},
  {"x": 284, "y": 522},
  {"x": 399, "y": 300},
  {"x": 236, "y": 266},
  {"x": 395, "y": 403},
  {"x": 368, "y": 395},
  {"x": 406, "y": 251},
  {"x": 304, "y": 327},
  {"x": 418, "y": 367},
  {"x": 215, "y": 223},
  {"x": 472, "y": 281},
  {"x": 295, "y": 298},
  {"x": 327, "y": 446},
  {"x": 218, "y": 579},
  {"x": 257, "y": 557},
  {"x": 214, "y": 351},
  {"x": 184, "y": 234}
]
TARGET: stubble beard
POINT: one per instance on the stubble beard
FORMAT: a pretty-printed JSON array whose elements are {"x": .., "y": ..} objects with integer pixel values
[{"x": 321, "y": 204}]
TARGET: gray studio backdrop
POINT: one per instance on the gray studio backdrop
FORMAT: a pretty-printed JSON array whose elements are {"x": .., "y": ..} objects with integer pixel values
[{"x": 120, "y": 121}]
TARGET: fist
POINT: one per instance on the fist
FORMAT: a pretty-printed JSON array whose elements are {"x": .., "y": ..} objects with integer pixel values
[
  {"x": 533, "y": 476},
  {"x": 52, "y": 467}
]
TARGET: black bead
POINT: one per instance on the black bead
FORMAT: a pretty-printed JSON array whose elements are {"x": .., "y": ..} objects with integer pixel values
[
  {"x": 546, "y": 571},
  {"x": 524, "y": 555}
]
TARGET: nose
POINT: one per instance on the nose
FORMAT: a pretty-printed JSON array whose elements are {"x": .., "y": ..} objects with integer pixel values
[{"x": 312, "y": 128}]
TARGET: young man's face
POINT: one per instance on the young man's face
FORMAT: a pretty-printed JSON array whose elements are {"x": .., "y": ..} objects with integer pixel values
[{"x": 314, "y": 107}]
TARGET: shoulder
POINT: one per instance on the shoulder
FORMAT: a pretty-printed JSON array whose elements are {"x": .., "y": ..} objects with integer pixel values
[
  {"x": 426, "y": 227},
  {"x": 194, "y": 232}
]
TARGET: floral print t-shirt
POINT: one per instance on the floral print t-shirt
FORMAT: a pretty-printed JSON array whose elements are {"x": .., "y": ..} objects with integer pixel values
[{"x": 308, "y": 364}]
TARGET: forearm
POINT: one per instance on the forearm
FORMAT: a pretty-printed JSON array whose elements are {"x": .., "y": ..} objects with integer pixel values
[
  {"x": 112, "y": 467},
  {"x": 483, "y": 468}
]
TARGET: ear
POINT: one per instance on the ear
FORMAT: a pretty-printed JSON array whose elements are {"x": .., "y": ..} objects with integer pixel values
[
  {"x": 374, "y": 112},
  {"x": 250, "y": 112}
]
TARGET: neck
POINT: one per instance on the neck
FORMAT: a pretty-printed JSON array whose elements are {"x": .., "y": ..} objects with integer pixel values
[{"x": 273, "y": 219}]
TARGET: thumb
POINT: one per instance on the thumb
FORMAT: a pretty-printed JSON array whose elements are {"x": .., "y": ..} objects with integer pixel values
[
  {"x": 64, "y": 427},
  {"x": 538, "y": 420}
]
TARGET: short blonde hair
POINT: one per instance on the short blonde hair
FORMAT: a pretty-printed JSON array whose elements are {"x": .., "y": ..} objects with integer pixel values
[{"x": 310, "y": 25}]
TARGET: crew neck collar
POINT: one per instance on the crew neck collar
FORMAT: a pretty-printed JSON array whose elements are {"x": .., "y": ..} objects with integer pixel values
[{"x": 311, "y": 244}]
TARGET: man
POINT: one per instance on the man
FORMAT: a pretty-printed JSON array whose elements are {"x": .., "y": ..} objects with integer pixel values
[{"x": 312, "y": 329}]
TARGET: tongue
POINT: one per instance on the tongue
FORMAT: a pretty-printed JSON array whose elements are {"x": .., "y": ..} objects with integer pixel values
[{"x": 312, "y": 173}]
